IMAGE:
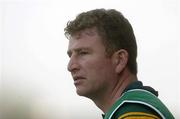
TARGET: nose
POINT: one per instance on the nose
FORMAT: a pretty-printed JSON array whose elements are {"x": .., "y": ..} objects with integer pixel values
[{"x": 73, "y": 65}]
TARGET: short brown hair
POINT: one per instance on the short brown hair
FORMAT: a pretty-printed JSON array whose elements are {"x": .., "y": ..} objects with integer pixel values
[{"x": 115, "y": 30}]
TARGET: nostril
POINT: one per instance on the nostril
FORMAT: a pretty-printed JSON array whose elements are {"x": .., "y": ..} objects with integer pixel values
[
  {"x": 69, "y": 67},
  {"x": 73, "y": 63},
  {"x": 72, "y": 66}
]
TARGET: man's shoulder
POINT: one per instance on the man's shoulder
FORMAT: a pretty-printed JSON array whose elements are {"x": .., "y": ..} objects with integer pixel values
[
  {"x": 135, "y": 103},
  {"x": 133, "y": 110},
  {"x": 138, "y": 103}
]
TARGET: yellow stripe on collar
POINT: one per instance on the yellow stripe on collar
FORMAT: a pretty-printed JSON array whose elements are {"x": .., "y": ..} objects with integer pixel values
[{"x": 138, "y": 115}]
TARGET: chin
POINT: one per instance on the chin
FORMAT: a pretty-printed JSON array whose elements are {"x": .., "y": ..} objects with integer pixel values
[
  {"x": 82, "y": 92},
  {"x": 85, "y": 94}
]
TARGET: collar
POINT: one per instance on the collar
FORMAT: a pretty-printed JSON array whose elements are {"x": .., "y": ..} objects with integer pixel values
[{"x": 139, "y": 85}]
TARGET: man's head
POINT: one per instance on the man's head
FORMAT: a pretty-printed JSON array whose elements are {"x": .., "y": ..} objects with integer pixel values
[{"x": 114, "y": 29}]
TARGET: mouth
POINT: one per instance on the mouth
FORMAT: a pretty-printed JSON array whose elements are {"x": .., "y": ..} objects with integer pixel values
[{"x": 78, "y": 80}]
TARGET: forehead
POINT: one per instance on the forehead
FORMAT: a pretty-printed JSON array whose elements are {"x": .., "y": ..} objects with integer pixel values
[
  {"x": 88, "y": 32},
  {"x": 85, "y": 38}
]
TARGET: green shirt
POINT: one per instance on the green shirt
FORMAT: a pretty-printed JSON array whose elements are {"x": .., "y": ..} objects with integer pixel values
[{"x": 138, "y": 102}]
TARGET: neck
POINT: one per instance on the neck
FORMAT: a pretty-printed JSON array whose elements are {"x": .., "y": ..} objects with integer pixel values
[{"x": 104, "y": 102}]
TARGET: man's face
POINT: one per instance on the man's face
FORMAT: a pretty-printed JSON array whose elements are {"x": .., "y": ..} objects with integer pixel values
[{"x": 91, "y": 69}]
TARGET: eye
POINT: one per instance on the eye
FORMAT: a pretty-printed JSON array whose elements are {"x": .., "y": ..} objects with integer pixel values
[{"x": 83, "y": 52}]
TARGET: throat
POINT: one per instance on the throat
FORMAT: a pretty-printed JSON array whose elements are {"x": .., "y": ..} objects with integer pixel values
[{"x": 105, "y": 101}]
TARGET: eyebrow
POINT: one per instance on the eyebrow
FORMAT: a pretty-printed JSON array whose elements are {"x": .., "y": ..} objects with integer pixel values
[{"x": 69, "y": 52}]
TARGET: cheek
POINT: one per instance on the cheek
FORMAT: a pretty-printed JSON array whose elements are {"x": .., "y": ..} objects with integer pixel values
[{"x": 99, "y": 68}]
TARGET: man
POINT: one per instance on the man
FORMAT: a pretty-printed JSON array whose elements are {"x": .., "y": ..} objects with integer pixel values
[{"x": 102, "y": 50}]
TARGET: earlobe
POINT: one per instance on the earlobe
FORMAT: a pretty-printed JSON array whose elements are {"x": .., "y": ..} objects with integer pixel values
[{"x": 121, "y": 59}]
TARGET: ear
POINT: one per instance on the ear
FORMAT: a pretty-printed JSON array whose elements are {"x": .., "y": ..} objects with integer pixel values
[{"x": 120, "y": 59}]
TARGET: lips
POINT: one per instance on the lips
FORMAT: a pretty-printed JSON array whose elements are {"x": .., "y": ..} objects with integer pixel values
[{"x": 78, "y": 79}]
